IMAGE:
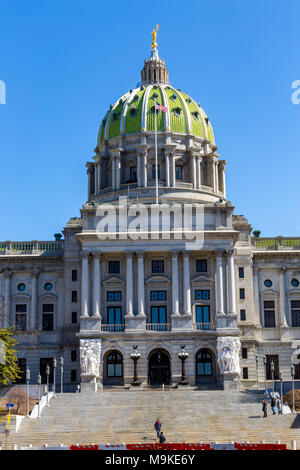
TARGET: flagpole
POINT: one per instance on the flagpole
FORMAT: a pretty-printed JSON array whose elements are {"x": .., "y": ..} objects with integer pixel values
[{"x": 156, "y": 165}]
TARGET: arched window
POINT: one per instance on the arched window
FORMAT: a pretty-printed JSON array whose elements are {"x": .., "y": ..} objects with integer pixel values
[
  {"x": 114, "y": 364},
  {"x": 203, "y": 363}
]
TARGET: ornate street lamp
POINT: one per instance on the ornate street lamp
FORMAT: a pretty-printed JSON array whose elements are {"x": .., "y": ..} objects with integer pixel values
[
  {"x": 47, "y": 375},
  {"x": 281, "y": 394},
  {"x": 272, "y": 370},
  {"x": 39, "y": 381},
  {"x": 256, "y": 360},
  {"x": 293, "y": 386},
  {"x": 61, "y": 374},
  {"x": 183, "y": 355},
  {"x": 135, "y": 356},
  {"x": 265, "y": 367},
  {"x": 54, "y": 373},
  {"x": 27, "y": 388}
]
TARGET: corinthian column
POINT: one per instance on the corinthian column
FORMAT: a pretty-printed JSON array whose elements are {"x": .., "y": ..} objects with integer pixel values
[
  {"x": 199, "y": 163},
  {"x": 141, "y": 284},
  {"x": 175, "y": 284},
  {"x": 85, "y": 285},
  {"x": 129, "y": 284},
  {"x": 167, "y": 169},
  {"x": 186, "y": 285},
  {"x": 97, "y": 285},
  {"x": 283, "y": 321},
  {"x": 257, "y": 311},
  {"x": 7, "y": 302},
  {"x": 231, "y": 282},
  {"x": 34, "y": 297},
  {"x": 220, "y": 286}
]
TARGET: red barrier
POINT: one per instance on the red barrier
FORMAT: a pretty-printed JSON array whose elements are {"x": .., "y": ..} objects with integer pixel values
[
  {"x": 88, "y": 447},
  {"x": 186, "y": 446},
  {"x": 260, "y": 446},
  {"x": 140, "y": 446}
]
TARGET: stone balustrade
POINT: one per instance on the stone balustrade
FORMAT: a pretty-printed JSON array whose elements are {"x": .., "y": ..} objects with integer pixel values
[
  {"x": 35, "y": 247},
  {"x": 276, "y": 243}
]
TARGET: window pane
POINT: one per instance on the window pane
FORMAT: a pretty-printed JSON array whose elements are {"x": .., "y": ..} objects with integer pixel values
[
  {"x": 201, "y": 265},
  {"x": 118, "y": 370},
  {"x": 118, "y": 315},
  {"x": 110, "y": 370},
  {"x": 162, "y": 315},
  {"x": 154, "y": 315},
  {"x": 111, "y": 316},
  {"x": 207, "y": 368}
]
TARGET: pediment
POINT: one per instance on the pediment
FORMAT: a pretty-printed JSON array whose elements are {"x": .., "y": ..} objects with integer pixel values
[
  {"x": 21, "y": 297},
  {"x": 114, "y": 280},
  {"x": 205, "y": 279},
  {"x": 293, "y": 292},
  {"x": 267, "y": 292},
  {"x": 48, "y": 296},
  {"x": 158, "y": 280}
]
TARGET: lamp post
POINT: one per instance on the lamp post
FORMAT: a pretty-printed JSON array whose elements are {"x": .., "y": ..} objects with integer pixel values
[
  {"x": 135, "y": 356},
  {"x": 27, "y": 389},
  {"x": 47, "y": 375},
  {"x": 256, "y": 360},
  {"x": 265, "y": 367},
  {"x": 39, "y": 381},
  {"x": 183, "y": 355},
  {"x": 54, "y": 374},
  {"x": 293, "y": 387},
  {"x": 272, "y": 371},
  {"x": 61, "y": 374},
  {"x": 281, "y": 394}
]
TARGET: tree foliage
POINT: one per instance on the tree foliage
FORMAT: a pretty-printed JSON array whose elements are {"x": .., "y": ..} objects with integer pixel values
[{"x": 9, "y": 371}]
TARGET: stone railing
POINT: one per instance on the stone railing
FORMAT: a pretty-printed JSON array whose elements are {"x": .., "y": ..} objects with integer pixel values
[
  {"x": 113, "y": 328},
  {"x": 204, "y": 326},
  {"x": 158, "y": 326},
  {"x": 31, "y": 248},
  {"x": 276, "y": 243}
]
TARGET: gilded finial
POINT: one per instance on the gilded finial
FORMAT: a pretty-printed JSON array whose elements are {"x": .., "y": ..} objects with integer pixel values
[{"x": 154, "y": 34}]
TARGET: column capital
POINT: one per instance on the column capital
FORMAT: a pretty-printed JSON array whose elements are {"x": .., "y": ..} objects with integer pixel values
[
  {"x": 35, "y": 272},
  {"x": 175, "y": 253},
  {"x": 7, "y": 273},
  {"x": 140, "y": 253},
  {"x": 282, "y": 269},
  {"x": 220, "y": 253},
  {"x": 97, "y": 254},
  {"x": 230, "y": 253},
  {"x": 129, "y": 253},
  {"x": 84, "y": 255}
]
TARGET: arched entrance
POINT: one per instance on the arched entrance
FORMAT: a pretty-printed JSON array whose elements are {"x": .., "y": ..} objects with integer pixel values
[
  {"x": 113, "y": 368},
  {"x": 159, "y": 367},
  {"x": 205, "y": 367}
]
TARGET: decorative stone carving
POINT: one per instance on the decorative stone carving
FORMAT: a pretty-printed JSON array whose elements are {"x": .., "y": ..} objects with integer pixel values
[
  {"x": 90, "y": 355},
  {"x": 228, "y": 354}
]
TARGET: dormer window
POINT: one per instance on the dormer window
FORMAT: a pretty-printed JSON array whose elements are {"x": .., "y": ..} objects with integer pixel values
[
  {"x": 133, "y": 112},
  {"x": 115, "y": 116},
  {"x": 135, "y": 98},
  {"x": 173, "y": 97},
  {"x": 195, "y": 115},
  {"x": 177, "y": 111},
  {"x": 154, "y": 96}
]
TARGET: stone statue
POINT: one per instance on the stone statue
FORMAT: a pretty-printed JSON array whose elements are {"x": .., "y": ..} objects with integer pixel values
[
  {"x": 90, "y": 352},
  {"x": 228, "y": 354},
  {"x": 154, "y": 34}
]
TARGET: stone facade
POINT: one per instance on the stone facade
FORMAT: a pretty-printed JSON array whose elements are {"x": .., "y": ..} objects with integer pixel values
[{"x": 156, "y": 292}]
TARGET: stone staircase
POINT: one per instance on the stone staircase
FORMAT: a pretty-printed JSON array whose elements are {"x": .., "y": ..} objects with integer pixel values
[{"x": 128, "y": 417}]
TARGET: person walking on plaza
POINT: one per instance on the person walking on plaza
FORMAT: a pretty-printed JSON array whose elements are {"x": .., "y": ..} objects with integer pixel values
[
  {"x": 278, "y": 403},
  {"x": 273, "y": 405},
  {"x": 162, "y": 438},
  {"x": 157, "y": 427},
  {"x": 264, "y": 408}
]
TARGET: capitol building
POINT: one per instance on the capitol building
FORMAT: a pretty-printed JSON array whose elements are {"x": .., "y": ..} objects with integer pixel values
[{"x": 120, "y": 299}]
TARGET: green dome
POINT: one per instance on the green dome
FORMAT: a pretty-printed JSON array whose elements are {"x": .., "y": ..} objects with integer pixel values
[{"x": 134, "y": 113}]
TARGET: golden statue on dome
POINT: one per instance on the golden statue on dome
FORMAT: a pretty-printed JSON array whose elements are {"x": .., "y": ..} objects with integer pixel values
[{"x": 154, "y": 34}]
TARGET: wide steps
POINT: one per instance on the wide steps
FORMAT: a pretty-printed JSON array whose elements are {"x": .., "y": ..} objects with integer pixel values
[{"x": 128, "y": 416}]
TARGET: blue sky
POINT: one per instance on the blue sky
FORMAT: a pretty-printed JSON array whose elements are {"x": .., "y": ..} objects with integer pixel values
[{"x": 64, "y": 62}]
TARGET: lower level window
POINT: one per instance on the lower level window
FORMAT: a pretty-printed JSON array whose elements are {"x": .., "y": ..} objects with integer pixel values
[
  {"x": 295, "y": 307},
  {"x": 245, "y": 372},
  {"x": 159, "y": 317},
  {"x": 21, "y": 321},
  {"x": 47, "y": 321},
  {"x": 114, "y": 365},
  {"x": 272, "y": 358},
  {"x": 114, "y": 317},
  {"x": 203, "y": 317},
  {"x": 203, "y": 363},
  {"x": 269, "y": 314},
  {"x": 73, "y": 375},
  {"x": 22, "y": 373}
]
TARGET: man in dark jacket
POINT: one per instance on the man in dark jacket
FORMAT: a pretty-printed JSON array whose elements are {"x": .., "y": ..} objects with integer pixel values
[
  {"x": 157, "y": 427},
  {"x": 162, "y": 438},
  {"x": 264, "y": 408}
]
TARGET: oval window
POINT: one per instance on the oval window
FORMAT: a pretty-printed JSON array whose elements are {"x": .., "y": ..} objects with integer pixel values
[
  {"x": 268, "y": 283},
  {"x": 48, "y": 286},
  {"x": 21, "y": 287},
  {"x": 295, "y": 283}
]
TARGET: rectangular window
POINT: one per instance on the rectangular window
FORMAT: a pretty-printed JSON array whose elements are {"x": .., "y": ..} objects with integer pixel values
[
  {"x": 295, "y": 308},
  {"x": 133, "y": 174},
  {"x": 201, "y": 265},
  {"x": 47, "y": 321},
  {"x": 114, "y": 318},
  {"x": 158, "y": 266},
  {"x": 159, "y": 318},
  {"x": 73, "y": 375},
  {"x": 74, "y": 317},
  {"x": 202, "y": 294},
  {"x": 22, "y": 374},
  {"x": 114, "y": 296},
  {"x": 74, "y": 296},
  {"x": 242, "y": 293},
  {"x": 48, "y": 308},
  {"x": 21, "y": 321},
  {"x": 275, "y": 360},
  {"x": 269, "y": 314},
  {"x": 241, "y": 273},
  {"x": 244, "y": 353},
  {"x": 178, "y": 170},
  {"x": 21, "y": 308},
  {"x": 203, "y": 317},
  {"x": 114, "y": 267},
  {"x": 156, "y": 295},
  {"x": 74, "y": 355},
  {"x": 154, "y": 171},
  {"x": 245, "y": 372},
  {"x": 243, "y": 315},
  {"x": 74, "y": 274}
]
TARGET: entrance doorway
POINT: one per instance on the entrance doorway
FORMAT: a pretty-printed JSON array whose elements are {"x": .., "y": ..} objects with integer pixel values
[
  {"x": 205, "y": 367},
  {"x": 159, "y": 367}
]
